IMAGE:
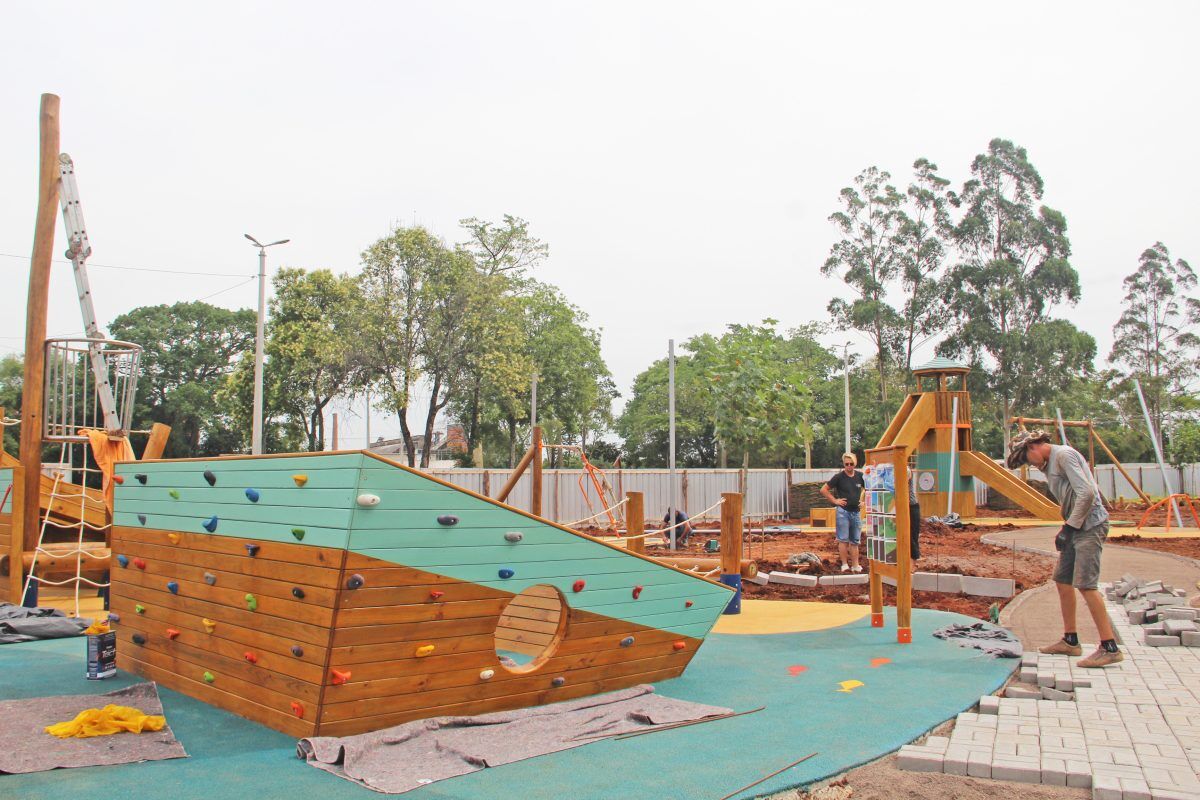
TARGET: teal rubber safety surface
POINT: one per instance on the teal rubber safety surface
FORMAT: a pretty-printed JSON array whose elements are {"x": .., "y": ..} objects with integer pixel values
[{"x": 797, "y": 676}]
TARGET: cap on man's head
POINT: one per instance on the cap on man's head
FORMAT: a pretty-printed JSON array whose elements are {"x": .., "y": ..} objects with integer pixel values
[{"x": 1018, "y": 447}]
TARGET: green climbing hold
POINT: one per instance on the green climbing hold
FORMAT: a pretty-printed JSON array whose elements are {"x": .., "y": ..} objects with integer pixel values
[
  {"x": 298, "y": 533},
  {"x": 251, "y": 602},
  {"x": 140, "y": 609},
  {"x": 209, "y": 677},
  {"x": 174, "y": 493}
]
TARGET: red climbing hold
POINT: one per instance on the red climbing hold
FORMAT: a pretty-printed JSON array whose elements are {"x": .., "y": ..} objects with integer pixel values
[
  {"x": 679, "y": 645},
  {"x": 879, "y": 662},
  {"x": 637, "y": 592},
  {"x": 172, "y": 633},
  {"x": 139, "y": 563},
  {"x": 118, "y": 479},
  {"x": 253, "y": 659},
  {"x": 688, "y": 604},
  {"x": 340, "y": 676},
  {"x": 435, "y": 594},
  {"x": 796, "y": 669},
  {"x": 578, "y": 585},
  {"x": 298, "y": 709}
]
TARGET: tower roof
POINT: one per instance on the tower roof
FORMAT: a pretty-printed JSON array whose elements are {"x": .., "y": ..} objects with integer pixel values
[{"x": 942, "y": 366}]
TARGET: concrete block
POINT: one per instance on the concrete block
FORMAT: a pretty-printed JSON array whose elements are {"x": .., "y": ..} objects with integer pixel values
[
  {"x": 988, "y": 587},
  {"x": 989, "y": 704},
  {"x": 761, "y": 578},
  {"x": 1023, "y": 692},
  {"x": 1055, "y": 694},
  {"x": 844, "y": 580},
  {"x": 955, "y": 760},
  {"x": 1028, "y": 675},
  {"x": 1064, "y": 684},
  {"x": 1137, "y": 617},
  {"x": 939, "y": 743},
  {"x": 1191, "y": 638},
  {"x": 1163, "y": 601},
  {"x": 792, "y": 579},
  {"x": 1106, "y": 787},
  {"x": 1180, "y": 612},
  {"x": 1054, "y": 772},
  {"x": 1154, "y": 629},
  {"x": 1020, "y": 771},
  {"x": 1079, "y": 773},
  {"x": 1045, "y": 679},
  {"x": 1162, "y": 640},
  {"x": 1134, "y": 789},
  {"x": 917, "y": 759},
  {"x": 979, "y": 764},
  {"x": 1176, "y": 627}
]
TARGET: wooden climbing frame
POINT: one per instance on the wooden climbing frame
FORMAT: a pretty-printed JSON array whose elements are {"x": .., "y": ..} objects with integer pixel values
[
  {"x": 889, "y": 508},
  {"x": 1184, "y": 501}
]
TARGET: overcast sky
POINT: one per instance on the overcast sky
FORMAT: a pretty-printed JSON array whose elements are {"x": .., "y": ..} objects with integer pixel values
[{"x": 681, "y": 159}]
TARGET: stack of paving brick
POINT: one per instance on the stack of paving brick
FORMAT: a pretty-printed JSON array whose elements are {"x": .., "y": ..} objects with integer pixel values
[{"x": 1161, "y": 610}]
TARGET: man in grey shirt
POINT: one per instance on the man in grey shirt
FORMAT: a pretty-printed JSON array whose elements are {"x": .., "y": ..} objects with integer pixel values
[{"x": 1079, "y": 542}]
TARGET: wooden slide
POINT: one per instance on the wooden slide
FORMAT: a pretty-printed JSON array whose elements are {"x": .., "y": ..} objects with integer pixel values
[{"x": 980, "y": 466}]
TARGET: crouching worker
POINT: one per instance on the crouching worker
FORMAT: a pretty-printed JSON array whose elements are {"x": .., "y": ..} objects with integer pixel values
[
  {"x": 682, "y": 529},
  {"x": 845, "y": 490},
  {"x": 1079, "y": 542}
]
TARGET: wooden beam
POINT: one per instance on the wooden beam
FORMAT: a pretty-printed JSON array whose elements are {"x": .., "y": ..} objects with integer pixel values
[
  {"x": 16, "y": 541},
  {"x": 635, "y": 522},
  {"x": 731, "y": 533},
  {"x": 33, "y": 384},
  {"x": 1120, "y": 468},
  {"x": 516, "y": 475},
  {"x": 157, "y": 443},
  {"x": 535, "y": 487}
]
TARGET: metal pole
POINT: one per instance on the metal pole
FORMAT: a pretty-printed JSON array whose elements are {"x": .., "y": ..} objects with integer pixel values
[
  {"x": 257, "y": 428},
  {"x": 846, "y": 374},
  {"x": 367, "y": 397},
  {"x": 671, "y": 434},
  {"x": 1062, "y": 429},
  {"x": 953, "y": 476},
  {"x": 1158, "y": 453}
]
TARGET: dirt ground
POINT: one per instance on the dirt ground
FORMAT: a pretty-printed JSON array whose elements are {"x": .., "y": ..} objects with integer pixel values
[{"x": 1180, "y": 547}]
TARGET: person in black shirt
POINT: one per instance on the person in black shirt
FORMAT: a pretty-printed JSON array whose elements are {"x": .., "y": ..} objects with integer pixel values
[
  {"x": 845, "y": 490},
  {"x": 682, "y": 531}
]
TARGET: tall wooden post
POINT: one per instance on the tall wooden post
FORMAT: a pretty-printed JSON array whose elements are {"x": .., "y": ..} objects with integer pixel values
[
  {"x": 33, "y": 384},
  {"x": 157, "y": 442},
  {"x": 535, "y": 486},
  {"x": 635, "y": 522},
  {"x": 16, "y": 549},
  {"x": 731, "y": 548}
]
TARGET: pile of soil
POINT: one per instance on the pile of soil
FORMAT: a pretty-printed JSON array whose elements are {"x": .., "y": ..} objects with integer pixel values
[{"x": 1180, "y": 547}]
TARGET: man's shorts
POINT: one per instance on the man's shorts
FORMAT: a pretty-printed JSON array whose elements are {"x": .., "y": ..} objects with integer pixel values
[
  {"x": 1079, "y": 562},
  {"x": 849, "y": 526}
]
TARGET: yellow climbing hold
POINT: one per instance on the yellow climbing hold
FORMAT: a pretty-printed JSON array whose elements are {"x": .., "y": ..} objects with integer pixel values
[
  {"x": 209, "y": 625},
  {"x": 105, "y": 721},
  {"x": 300, "y": 479},
  {"x": 849, "y": 686},
  {"x": 424, "y": 650},
  {"x": 174, "y": 537}
]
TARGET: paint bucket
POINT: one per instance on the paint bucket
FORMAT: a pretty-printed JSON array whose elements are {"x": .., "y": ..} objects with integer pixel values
[
  {"x": 101, "y": 655},
  {"x": 712, "y": 546},
  {"x": 735, "y": 603}
]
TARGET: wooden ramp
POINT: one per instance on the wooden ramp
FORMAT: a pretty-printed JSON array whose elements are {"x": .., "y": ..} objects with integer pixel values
[
  {"x": 62, "y": 505},
  {"x": 980, "y": 466}
]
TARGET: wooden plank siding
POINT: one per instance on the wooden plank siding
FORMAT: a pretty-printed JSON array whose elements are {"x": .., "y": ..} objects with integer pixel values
[{"x": 6, "y": 527}]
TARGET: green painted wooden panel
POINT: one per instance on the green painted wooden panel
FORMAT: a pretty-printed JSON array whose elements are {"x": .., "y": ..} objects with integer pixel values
[
  {"x": 378, "y": 518},
  {"x": 297, "y": 463},
  {"x": 288, "y": 516},
  {"x": 240, "y": 529},
  {"x": 562, "y": 574},
  {"x": 6, "y": 479},
  {"x": 231, "y": 496},
  {"x": 455, "y": 537},
  {"x": 501, "y": 556},
  {"x": 261, "y": 479},
  {"x": 439, "y": 499},
  {"x": 377, "y": 475}
]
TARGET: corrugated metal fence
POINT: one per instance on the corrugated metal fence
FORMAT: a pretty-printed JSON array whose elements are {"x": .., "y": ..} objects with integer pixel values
[{"x": 568, "y": 495}]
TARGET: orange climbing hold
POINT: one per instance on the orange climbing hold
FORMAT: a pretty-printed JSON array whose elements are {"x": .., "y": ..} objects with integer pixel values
[
  {"x": 796, "y": 669},
  {"x": 435, "y": 594},
  {"x": 679, "y": 645},
  {"x": 879, "y": 662},
  {"x": 298, "y": 709},
  {"x": 251, "y": 657},
  {"x": 172, "y": 633},
  {"x": 300, "y": 479},
  {"x": 424, "y": 650},
  {"x": 339, "y": 676}
]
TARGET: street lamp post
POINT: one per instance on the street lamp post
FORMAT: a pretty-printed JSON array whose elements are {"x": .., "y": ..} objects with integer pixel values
[
  {"x": 846, "y": 373},
  {"x": 257, "y": 429}
]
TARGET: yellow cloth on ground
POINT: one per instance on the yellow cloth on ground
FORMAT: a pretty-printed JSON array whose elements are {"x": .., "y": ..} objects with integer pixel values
[
  {"x": 105, "y": 721},
  {"x": 96, "y": 627}
]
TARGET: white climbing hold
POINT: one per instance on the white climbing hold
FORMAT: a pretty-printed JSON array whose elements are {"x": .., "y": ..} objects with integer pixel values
[
  {"x": 487, "y": 674},
  {"x": 513, "y": 536},
  {"x": 368, "y": 500}
]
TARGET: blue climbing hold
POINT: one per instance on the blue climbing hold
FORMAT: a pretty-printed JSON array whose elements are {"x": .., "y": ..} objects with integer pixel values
[
  {"x": 172, "y": 587},
  {"x": 506, "y": 573},
  {"x": 297, "y": 650},
  {"x": 140, "y": 478},
  {"x": 356, "y": 581},
  {"x": 210, "y": 524},
  {"x": 139, "y": 639},
  {"x": 558, "y": 681},
  {"x": 114, "y": 616},
  {"x": 142, "y": 518},
  {"x": 297, "y": 593},
  {"x": 252, "y": 495},
  {"x": 210, "y": 477},
  {"x": 252, "y": 549},
  {"x": 447, "y": 519},
  {"x": 210, "y": 579},
  {"x": 627, "y": 641},
  {"x": 123, "y": 561}
]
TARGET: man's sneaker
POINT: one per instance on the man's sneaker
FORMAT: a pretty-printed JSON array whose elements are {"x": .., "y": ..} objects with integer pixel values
[
  {"x": 856, "y": 569},
  {"x": 1061, "y": 648},
  {"x": 1101, "y": 658},
  {"x": 845, "y": 567}
]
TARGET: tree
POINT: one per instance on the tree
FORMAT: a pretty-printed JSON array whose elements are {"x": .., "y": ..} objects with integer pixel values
[
  {"x": 188, "y": 352},
  {"x": 12, "y": 373},
  {"x": 1013, "y": 269},
  {"x": 924, "y": 223},
  {"x": 868, "y": 258},
  {"x": 1155, "y": 337},
  {"x": 503, "y": 249},
  {"x": 644, "y": 425}
]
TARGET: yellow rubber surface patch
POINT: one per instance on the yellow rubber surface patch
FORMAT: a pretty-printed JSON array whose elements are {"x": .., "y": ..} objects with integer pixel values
[{"x": 789, "y": 616}]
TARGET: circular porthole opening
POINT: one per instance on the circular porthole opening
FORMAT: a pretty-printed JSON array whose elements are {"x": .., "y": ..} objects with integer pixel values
[{"x": 530, "y": 628}]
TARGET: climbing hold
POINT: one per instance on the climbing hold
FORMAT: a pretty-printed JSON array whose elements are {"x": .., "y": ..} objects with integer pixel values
[
  {"x": 139, "y": 563},
  {"x": 297, "y": 650},
  {"x": 447, "y": 519},
  {"x": 298, "y": 709},
  {"x": 487, "y": 674},
  {"x": 123, "y": 560},
  {"x": 849, "y": 686},
  {"x": 142, "y": 518},
  {"x": 210, "y": 524},
  {"x": 879, "y": 662},
  {"x": 796, "y": 669},
  {"x": 140, "y": 609},
  {"x": 678, "y": 645},
  {"x": 578, "y": 585},
  {"x": 368, "y": 500},
  {"x": 140, "y": 478},
  {"x": 172, "y": 634},
  {"x": 210, "y": 579},
  {"x": 297, "y": 593},
  {"x": 209, "y": 625},
  {"x": 114, "y": 616},
  {"x": 209, "y": 677},
  {"x": 506, "y": 573},
  {"x": 514, "y": 536},
  {"x": 637, "y": 592},
  {"x": 298, "y": 533},
  {"x": 355, "y": 582},
  {"x": 252, "y": 549},
  {"x": 118, "y": 479},
  {"x": 174, "y": 537},
  {"x": 627, "y": 641},
  {"x": 139, "y": 639},
  {"x": 210, "y": 477},
  {"x": 300, "y": 479},
  {"x": 435, "y": 594},
  {"x": 172, "y": 587},
  {"x": 174, "y": 493},
  {"x": 338, "y": 677},
  {"x": 251, "y": 602},
  {"x": 558, "y": 681},
  {"x": 251, "y": 657},
  {"x": 688, "y": 604},
  {"x": 424, "y": 650},
  {"x": 252, "y": 495}
]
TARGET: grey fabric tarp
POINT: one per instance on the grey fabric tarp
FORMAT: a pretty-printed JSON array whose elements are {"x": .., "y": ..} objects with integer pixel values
[
  {"x": 996, "y": 642},
  {"x": 20, "y": 624},
  {"x": 404, "y": 757},
  {"x": 26, "y": 747}
]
